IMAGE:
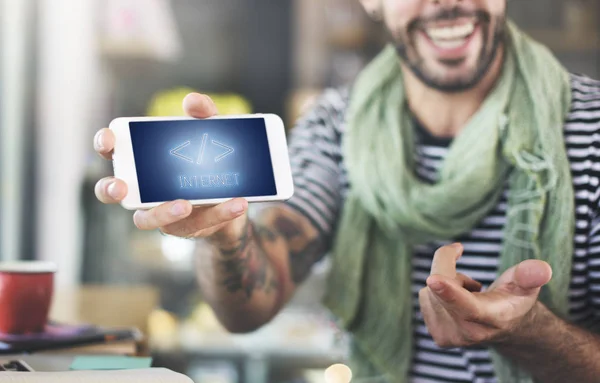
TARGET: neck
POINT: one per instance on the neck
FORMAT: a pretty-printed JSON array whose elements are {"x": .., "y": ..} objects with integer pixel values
[{"x": 446, "y": 114}]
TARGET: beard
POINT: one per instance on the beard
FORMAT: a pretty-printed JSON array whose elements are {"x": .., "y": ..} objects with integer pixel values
[{"x": 406, "y": 48}]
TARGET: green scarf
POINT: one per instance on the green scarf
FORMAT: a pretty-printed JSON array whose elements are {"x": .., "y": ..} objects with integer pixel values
[{"x": 516, "y": 136}]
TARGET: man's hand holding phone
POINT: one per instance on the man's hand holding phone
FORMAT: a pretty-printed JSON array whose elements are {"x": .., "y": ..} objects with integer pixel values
[
  {"x": 194, "y": 178},
  {"x": 179, "y": 217}
]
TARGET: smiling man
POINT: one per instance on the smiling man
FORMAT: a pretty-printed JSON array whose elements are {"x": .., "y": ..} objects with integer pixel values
[{"x": 464, "y": 136}]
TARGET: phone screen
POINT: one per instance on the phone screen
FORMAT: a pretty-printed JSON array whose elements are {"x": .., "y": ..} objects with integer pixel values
[{"x": 202, "y": 159}]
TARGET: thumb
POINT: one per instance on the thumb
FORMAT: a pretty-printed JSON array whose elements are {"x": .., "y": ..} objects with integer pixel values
[
  {"x": 527, "y": 277},
  {"x": 199, "y": 106}
]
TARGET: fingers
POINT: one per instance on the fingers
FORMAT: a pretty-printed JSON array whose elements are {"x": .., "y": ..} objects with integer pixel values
[
  {"x": 104, "y": 143},
  {"x": 469, "y": 283},
  {"x": 195, "y": 105},
  {"x": 110, "y": 190},
  {"x": 532, "y": 274},
  {"x": 444, "y": 260},
  {"x": 206, "y": 218},
  {"x": 162, "y": 215},
  {"x": 180, "y": 219},
  {"x": 453, "y": 296},
  {"x": 199, "y": 106},
  {"x": 525, "y": 279}
]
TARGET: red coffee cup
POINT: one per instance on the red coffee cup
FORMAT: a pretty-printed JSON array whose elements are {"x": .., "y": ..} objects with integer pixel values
[{"x": 25, "y": 296}]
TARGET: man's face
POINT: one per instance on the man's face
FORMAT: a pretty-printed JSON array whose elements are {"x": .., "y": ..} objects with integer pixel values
[{"x": 448, "y": 44}]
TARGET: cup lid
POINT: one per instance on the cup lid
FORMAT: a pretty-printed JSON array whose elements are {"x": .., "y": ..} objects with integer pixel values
[{"x": 28, "y": 267}]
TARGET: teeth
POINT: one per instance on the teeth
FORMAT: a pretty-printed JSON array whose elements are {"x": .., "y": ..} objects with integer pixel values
[
  {"x": 451, "y": 33},
  {"x": 449, "y": 44}
]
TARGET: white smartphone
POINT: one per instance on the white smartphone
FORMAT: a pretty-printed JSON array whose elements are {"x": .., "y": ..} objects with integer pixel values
[{"x": 205, "y": 161}]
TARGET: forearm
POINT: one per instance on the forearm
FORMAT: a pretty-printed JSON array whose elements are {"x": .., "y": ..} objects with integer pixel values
[
  {"x": 553, "y": 350},
  {"x": 240, "y": 281},
  {"x": 247, "y": 277}
]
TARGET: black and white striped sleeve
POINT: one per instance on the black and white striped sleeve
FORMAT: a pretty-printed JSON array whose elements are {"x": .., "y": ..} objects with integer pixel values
[
  {"x": 315, "y": 156},
  {"x": 584, "y": 148}
]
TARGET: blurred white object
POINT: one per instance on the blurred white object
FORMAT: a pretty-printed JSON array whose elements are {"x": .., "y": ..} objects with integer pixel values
[
  {"x": 150, "y": 375},
  {"x": 338, "y": 373},
  {"x": 16, "y": 18},
  {"x": 294, "y": 332},
  {"x": 69, "y": 81},
  {"x": 179, "y": 251},
  {"x": 140, "y": 28}
]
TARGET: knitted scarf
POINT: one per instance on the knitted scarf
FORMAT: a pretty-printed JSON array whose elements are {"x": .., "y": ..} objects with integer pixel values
[{"x": 516, "y": 136}]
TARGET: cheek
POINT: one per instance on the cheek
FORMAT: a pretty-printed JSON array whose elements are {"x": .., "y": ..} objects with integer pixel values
[
  {"x": 495, "y": 7},
  {"x": 398, "y": 13}
]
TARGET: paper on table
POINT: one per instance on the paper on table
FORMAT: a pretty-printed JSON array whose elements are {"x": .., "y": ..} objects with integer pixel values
[{"x": 149, "y": 375}]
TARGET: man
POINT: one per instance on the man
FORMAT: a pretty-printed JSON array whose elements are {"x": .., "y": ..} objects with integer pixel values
[{"x": 463, "y": 131}]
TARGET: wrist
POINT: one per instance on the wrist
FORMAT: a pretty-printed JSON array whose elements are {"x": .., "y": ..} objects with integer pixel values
[
  {"x": 529, "y": 328},
  {"x": 233, "y": 237}
]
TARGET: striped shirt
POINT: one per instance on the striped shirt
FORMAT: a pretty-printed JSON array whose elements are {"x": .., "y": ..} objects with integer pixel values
[{"x": 321, "y": 186}]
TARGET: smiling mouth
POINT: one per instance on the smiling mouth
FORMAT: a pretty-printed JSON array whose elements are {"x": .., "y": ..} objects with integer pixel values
[{"x": 451, "y": 36}]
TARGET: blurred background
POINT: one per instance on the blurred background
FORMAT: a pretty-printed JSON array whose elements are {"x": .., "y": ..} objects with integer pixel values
[{"x": 70, "y": 66}]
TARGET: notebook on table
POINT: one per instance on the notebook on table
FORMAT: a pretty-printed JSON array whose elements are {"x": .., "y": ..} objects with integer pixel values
[{"x": 78, "y": 338}]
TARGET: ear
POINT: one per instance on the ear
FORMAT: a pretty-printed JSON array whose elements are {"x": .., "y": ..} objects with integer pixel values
[{"x": 374, "y": 8}]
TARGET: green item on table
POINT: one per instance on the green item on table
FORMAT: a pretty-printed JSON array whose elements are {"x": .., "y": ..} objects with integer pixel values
[{"x": 110, "y": 363}]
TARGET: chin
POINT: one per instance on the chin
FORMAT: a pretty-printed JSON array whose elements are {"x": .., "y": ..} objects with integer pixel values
[
  {"x": 449, "y": 76},
  {"x": 451, "y": 82},
  {"x": 452, "y": 75}
]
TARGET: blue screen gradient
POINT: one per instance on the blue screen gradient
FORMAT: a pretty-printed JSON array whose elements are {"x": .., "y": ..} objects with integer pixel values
[{"x": 202, "y": 159}]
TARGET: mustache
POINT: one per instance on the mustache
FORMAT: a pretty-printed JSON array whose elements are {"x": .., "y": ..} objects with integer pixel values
[{"x": 449, "y": 14}]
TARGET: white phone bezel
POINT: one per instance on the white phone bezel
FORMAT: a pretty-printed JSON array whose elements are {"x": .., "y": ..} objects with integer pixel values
[{"x": 124, "y": 163}]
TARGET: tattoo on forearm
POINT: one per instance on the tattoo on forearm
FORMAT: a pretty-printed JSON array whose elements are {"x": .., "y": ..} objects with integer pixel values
[
  {"x": 264, "y": 234},
  {"x": 242, "y": 243},
  {"x": 304, "y": 252},
  {"x": 245, "y": 266}
]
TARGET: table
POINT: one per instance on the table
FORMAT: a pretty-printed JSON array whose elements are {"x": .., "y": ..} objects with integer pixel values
[{"x": 45, "y": 362}]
